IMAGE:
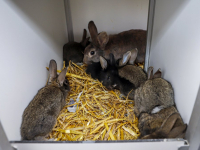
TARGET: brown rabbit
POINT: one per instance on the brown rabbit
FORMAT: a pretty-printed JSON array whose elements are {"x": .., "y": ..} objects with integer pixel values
[
  {"x": 167, "y": 123},
  {"x": 134, "y": 74},
  {"x": 40, "y": 115},
  {"x": 154, "y": 92},
  {"x": 74, "y": 51},
  {"x": 117, "y": 44}
]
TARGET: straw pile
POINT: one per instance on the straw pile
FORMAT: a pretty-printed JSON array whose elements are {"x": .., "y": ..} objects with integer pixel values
[{"x": 100, "y": 114}]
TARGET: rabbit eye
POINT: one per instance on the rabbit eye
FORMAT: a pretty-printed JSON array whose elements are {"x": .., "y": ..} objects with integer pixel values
[{"x": 92, "y": 53}]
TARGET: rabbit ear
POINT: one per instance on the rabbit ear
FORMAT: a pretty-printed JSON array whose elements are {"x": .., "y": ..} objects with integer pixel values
[
  {"x": 61, "y": 76},
  {"x": 178, "y": 132},
  {"x": 84, "y": 34},
  {"x": 125, "y": 58},
  {"x": 103, "y": 63},
  {"x": 84, "y": 39},
  {"x": 93, "y": 32},
  {"x": 169, "y": 122},
  {"x": 52, "y": 70},
  {"x": 102, "y": 39},
  {"x": 166, "y": 128},
  {"x": 158, "y": 74},
  {"x": 112, "y": 59},
  {"x": 150, "y": 73},
  {"x": 182, "y": 135},
  {"x": 134, "y": 54}
]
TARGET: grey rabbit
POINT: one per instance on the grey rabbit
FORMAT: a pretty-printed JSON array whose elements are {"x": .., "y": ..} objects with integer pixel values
[
  {"x": 152, "y": 93},
  {"x": 40, "y": 115},
  {"x": 74, "y": 51},
  {"x": 167, "y": 123},
  {"x": 108, "y": 72},
  {"x": 117, "y": 44},
  {"x": 134, "y": 74}
]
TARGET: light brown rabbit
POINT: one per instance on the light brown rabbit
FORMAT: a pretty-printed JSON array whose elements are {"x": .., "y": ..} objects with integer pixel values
[
  {"x": 167, "y": 123},
  {"x": 154, "y": 92},
  {"x": 40, "y": 115},
  {"x": 117, "y": 44},
  {"x": 134, "y": 74}
]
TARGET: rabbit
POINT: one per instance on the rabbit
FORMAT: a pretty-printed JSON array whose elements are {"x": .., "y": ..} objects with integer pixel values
[
  {"x": 107, "y": 72},
  {"x": 74, "y": 51},
  {"x": 134, "y": 74},
  {"x": 167, "y": 123},
  {"x": 153, "y": 92},
  {"x": 117, "y": 44},
  {"x": 40, "y": 115}
]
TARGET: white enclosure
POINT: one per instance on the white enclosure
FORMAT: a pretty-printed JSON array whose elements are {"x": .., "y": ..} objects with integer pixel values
[
  {"x": 175, "y": 49},
  {"x": 112, "y": 16},
  {"x": 33, "y": 32}
]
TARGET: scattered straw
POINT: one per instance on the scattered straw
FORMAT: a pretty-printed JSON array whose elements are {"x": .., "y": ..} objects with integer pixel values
[{"x": 100, "y": 114}]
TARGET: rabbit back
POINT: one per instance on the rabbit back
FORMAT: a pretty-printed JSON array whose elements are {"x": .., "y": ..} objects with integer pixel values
[
  {"x": 164, "y": 92},
  {"x": 148, "y": 123},
  {"x": 40, "y": 115},
  {"x": 156, "y": 92},
  {"x": 73, "y": 51},
  {"x": 135, "y": 75},
  {"x": 153, "y": 124},
  {"x": 127, "y": 40}
]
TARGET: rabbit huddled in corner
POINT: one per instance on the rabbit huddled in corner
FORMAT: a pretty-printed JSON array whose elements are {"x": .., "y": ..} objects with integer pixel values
[
  {"x": 117, "y": 44},
  {"x": 167, "y": 123},
  {"x": 107, "y": 71},
  {"x": 152, "y": 93},
  {"x": 40, "y": 115},
  {"x": 74, "y": 51}
]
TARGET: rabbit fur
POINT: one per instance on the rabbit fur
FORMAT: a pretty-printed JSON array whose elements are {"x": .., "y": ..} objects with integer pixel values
[
  {"x": 40, "y": 115},
  {"x": 136, "y": 75},
  {"x": 153, "y": 92},
  {"x": 167, "y": 123},
  {"x": 107, "y": 72},
  {"x": 117, "y": 44},
  {"x": 74, "y": 51}
]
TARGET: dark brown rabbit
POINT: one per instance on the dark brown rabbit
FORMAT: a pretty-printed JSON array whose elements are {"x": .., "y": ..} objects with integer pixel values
[
  {"x": 118, "y": 44},
  {"x": 74, "y": 51},
  {"x": 154, "y": 92},
  {"x": 40, "y": 115},
  {"x": 167, "y": 123}
]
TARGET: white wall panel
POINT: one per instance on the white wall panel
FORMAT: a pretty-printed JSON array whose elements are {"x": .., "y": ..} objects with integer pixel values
[
  {"x": 153, "y": 145},
  {"x": 112, "y": 16},
  {"x": 176, "y": 49},
  {"x": 31, "y": 33}
]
